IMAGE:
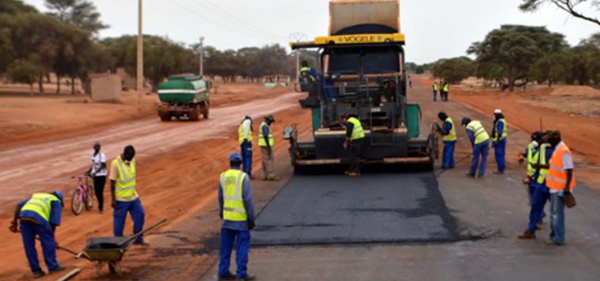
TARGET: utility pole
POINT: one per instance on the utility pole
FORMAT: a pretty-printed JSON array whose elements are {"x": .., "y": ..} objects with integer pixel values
[
  {"x": 140, "y": 58},
  {"x": 201, "y": 50},
  {"x": 298, "y": 36}
]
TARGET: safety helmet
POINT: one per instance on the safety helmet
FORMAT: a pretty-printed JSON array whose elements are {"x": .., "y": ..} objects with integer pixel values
[
  {"x": 537, "y": 136},
  {"x": 60, "y": 196},
  {"x": 235, "y": 157}
]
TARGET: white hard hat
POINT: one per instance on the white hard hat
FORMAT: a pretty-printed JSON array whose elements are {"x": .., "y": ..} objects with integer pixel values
[{"x": 497, "y": 111}]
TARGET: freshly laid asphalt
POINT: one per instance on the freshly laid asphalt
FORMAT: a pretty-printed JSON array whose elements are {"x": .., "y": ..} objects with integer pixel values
[{"x": 375, "y": 208}]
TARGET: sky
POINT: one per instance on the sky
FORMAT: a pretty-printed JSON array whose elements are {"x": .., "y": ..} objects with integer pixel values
[{"x": 434, "y": 29}]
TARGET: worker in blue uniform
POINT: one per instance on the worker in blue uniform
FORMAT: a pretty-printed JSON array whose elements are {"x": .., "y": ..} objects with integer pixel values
[
  {"x": 532, "y": 156},
  {"x": 236, "y": 209},
  {"x": 499, "y": 135},
  {"x": 125, "y": 199},
  {"x": 480, "y": 141},
  {"x": 448, "y": 131},
  {"x": 541, "y": 193},
  {"x": 39, "y": 216}
]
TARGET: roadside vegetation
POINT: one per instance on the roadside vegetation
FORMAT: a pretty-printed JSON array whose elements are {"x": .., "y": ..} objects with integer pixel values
[{"x": 65, "y": 42}]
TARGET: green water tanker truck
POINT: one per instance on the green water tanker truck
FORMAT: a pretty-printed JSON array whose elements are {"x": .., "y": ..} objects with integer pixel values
[{"x": 184, "y": 95}]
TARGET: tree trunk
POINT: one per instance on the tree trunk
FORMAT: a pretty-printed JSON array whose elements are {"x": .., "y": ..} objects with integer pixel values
[
  {"x": 41, "y": 83},
  {"x": 57, "y": 84},
  {"x": 72, "y": 85}
]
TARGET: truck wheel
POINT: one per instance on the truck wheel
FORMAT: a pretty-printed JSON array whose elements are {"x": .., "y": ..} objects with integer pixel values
[
  {"x": 165, "y": 116},
  {"x": 194, "y": 114},
  {"x": 205, "y": 110}
]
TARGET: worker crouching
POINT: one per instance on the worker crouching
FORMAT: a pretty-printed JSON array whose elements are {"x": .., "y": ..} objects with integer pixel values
[
  {"x": 354, "y": 142},
  {"x": 236, "y": 209},
  {"x": 39, "y": 216}
]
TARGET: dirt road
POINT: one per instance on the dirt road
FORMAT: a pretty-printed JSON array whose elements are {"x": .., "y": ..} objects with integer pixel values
[{"x": 178, "y": 163}]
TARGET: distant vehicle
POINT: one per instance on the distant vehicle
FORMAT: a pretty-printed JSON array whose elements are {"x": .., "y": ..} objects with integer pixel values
[{"x": 184, "y": 95}]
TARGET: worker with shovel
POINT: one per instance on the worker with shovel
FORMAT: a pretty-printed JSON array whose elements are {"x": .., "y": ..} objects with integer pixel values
[{"x": 39, "y": 216}]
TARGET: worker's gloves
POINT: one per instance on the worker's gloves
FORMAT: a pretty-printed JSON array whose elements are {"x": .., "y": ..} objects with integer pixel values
[
  {"x": 251, "y": 225},
  {"x": 346, "y": 143},
  {"x": 13, "y": 227}
]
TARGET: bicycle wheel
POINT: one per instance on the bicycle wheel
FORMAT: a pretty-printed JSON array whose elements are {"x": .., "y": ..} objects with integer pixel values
[
  {"x": 77, "y": 202},
  {"x": 89, "y": 199}
]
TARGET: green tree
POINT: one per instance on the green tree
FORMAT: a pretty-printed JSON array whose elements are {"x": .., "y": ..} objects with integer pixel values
[
  {"x": 80, "y": 13},
  {"x": 552, "y": 68},
  {"x": 25, "y": 71},
  {"x": 583, "y": 9},
  {"x": 14, "y": 7},
  {"x": 507, "y": 54},
  {"x": 454, "y": 70}
]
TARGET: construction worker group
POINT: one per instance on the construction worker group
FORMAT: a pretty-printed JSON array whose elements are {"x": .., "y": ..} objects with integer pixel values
[
  {"x": 40, "y": 215},
  {"x": 549, "y": 168}
]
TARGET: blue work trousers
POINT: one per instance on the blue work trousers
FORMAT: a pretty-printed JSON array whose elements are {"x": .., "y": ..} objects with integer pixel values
[
  {"x": 479, "y": 151},
  {"x": 241, "y": 238},
  {"x": 29, "y": 230},
  {"x": 434, "y": 95},
  {"x": 135, "y": 209},
  {"x": 246, "y": 149},
  {"x": 538, "y": 201},
  {"x": 500, "y": 153},
  {"x": 557, "y": 218},
  {"x": 448, "y": 155}
]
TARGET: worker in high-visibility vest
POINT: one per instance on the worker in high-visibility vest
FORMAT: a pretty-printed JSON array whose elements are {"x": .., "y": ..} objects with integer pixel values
[
  {"x": 480, "y": 141},
  {"x": 531, "y": 155},
  {"x": 446, "y": 91},
  {"x": 499, "y": 137},
  {"x": 560, "y": 180},
  {"x": 434, "y": 88},
  {"x": 448, "y": 132},
  {"x": 308, "y": 72},
  {"x": 39, "y": 216},
  {"x": 354, "y": 142},
  {"x": 125, "y": 198},
  {"x": 236, "y": 209},
  {"x": 541, "y": 193},
  {"x": 266, "y": 142},
  {"x": 308, "y": 79},
  {"x": 245, "y": 140}
]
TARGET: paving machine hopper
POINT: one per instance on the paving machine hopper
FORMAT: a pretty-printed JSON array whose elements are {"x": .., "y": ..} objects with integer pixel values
[{"x": 361, "y": 72}]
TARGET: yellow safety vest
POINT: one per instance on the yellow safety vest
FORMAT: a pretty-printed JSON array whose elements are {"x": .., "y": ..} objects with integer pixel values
[
  {"x": 41, "y": 204},
  {"x": 233, "y": 203},
  {"x": 434, "y": 87},
  {"x": 504, "y": 131},
  {"x": 357, "y": 130},
  {"x": 451, "y": 136},
  {"x": 261, "y": 137},
  {"x": 241, "y": 136},
  {"x": 478, "y": 131},
  {"x": 543, "y": 162},
  {"x": 532, "y": 159},
  {"x": 446, "y": 88},
  {"x": 307, "y": 70},
  {"x": 125, "y": 186}
]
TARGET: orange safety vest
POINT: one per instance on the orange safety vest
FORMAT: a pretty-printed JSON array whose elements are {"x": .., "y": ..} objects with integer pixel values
[{"x": 557, "y": 176}]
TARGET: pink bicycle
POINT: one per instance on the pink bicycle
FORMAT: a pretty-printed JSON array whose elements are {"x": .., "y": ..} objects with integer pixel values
[{"x": 82, "y": 196}]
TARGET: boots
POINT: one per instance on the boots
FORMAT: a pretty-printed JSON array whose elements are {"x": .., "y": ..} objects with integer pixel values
[{"x": 527, "y": 235}]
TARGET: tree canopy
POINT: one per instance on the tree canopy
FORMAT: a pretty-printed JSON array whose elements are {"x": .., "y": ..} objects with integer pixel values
[
  {"x": 454, "y": 70},
  {"x": 507, "y": 54}
]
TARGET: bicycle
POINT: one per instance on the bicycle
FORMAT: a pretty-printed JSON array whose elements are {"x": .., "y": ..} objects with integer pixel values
[{"x": 82, "y": 196}]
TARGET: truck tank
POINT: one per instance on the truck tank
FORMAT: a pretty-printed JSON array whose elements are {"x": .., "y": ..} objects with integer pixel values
[{"x": 184, "y": 95}]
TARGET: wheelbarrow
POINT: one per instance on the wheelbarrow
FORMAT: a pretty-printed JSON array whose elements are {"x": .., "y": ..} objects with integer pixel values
[{"x": 110, "y": 250}]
